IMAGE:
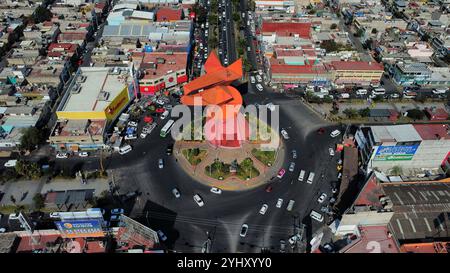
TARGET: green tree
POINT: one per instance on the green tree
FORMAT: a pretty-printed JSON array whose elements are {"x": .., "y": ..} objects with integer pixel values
[
  {"x": 41, "y": 14},
  {"x": 29, "y": 170},
  {"x": 396, "y": 170},
  {"x": 31, "y": 138},
  {"x": 415, "y": 114},
  {"x": 39, "y": 201},
  {"x": 350, "y": 113},
  {"x": 374, "y": 31},
  {"x": 364, "y": 112},
  {"x": 236, "y": 17},
  {"x": 329, "y": 45},
  {"x": 333, "y": 26}
]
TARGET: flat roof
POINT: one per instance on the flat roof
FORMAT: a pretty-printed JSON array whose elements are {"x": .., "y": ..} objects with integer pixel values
[
  {"x": 395, "y": 133},
  {"x": 369, "y": 234},
  {"x": 433, "y": 131},
  {"x": 98, "y": 79},
  {"x": 421, "y": 209}
]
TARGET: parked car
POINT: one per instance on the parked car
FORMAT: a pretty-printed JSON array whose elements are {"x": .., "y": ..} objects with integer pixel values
[
  {"x": 263, "y": 209},
  {"x": 114, "y": 218},
  {"x": 83, "y": 154},
  {"x": 176, "y": 193},
  {"x": 244, "y": 229},
  {"x": 320, "y": 131},
  {"x": 199, "y": 200},
  {"x": 252, "y": 79},
  {"x": 54, "y": 215},
  {"x": 279, "y": 203},
  {"x": 62, "y": 155},
  {"x": 132, "y": 124},
  {"x": 281, "y": 173},
  {"x": 271, "y": 106},
  {"x": 161, "y": 235},
  {"x": 117, "y": 211},
  {"x": 322, "y": 198},
  {"x": 259, "y": 87}
]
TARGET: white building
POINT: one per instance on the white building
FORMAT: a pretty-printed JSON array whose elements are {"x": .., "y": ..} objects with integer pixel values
[{"x": 413, "y": 148}]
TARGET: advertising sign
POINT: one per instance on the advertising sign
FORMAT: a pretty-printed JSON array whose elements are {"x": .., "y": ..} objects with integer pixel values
[
  {"x": 80, "y": 228},
  {"x": 117, "y": 105},
  {"x": 395, "y": 153}
]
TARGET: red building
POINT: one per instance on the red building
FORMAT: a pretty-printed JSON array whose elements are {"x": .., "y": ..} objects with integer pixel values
[
  {"x": 168, "y": 15},
  {"x": 160, "y": 70}
]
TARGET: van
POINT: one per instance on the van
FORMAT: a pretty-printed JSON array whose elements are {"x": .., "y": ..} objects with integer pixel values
[
  {"x": 290, "y": 205},
  {"x": 316, "y": 216},
  {"x": 379, "y": 91},
  {"x": 310, "y": 178},
  {"x": 165, "y": 114},
  {"x": 125, "y": 149},
  {"x": 335, "y": 133},
  {"x": 301, "y": 175}
]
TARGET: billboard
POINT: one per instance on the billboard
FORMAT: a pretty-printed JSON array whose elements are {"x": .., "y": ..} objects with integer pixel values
[
  {"x": 395, "y": 153},
  {"x": 117, "y": 105},
  {"x": 80, "y": 228}
]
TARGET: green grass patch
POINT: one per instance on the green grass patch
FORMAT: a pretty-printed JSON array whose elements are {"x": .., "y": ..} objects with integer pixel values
[
  {"x": 246, "y": 169},
  {"x": 218, "y": 170},
  {"x": 266, "y": 157},
  {"x": 194, "y": 156}
]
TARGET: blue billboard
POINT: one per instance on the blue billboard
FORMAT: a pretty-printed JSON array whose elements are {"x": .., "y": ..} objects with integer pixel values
[
  {"x": 80, "y": 228},
  {"x": 394, "y": 153}
]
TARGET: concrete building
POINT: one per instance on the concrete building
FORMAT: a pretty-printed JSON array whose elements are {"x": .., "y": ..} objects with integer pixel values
[
  {"x": 407, "y": 74},
  {"x": 415, "y": 149},
  {"x": 356, "y": 72},
  {"x": 95, "y": 97}
]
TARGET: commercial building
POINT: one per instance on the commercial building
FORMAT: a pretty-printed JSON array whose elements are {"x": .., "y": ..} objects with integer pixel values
[
  {"x": 160, "y": 70},
  {"x": 414, "y": 149},
  {"x": 356, "y": 72},
  {"x": 93, "y": 100},
  {"x": 407, "y": 74}
]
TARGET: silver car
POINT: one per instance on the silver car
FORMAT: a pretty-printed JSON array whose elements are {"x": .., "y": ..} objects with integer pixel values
[
  {"x": 176, "y": 193},
  {"x": 292, "y": 166}
]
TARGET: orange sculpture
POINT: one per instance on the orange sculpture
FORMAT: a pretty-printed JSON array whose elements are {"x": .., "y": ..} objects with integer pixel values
[{"x": 213, "y": 89}]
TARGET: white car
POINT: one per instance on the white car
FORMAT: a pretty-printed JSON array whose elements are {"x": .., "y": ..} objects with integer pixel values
[
  {"x": 216, "y": 190},
  {"x": 252, "y": 79},
  {"x": 263, "y": 209},
  {"x": 130, "y": 137},
  {"x": 161, "y": 235},
  {"x": 176, "y": 192},
  {"x": 258, "y": 78},
  {"x": 160, "y": 163},
  {"x": 259, "y": 87},
  {"x": 198, "y": 200},
  {"x": 160, "y": 102},
  {"x": 143, "y": 135},
  {"x": 244, "y": 230},
  {"x": 322, "y": 198},
  {"x": 83, "y": 154},
  {"x": 54, "y": 215},
  {"x": 284, "y": 134},
  {"x": 11, "y": 163},
  {"x": 279, "y": 203},
  {"x": 331, "y": 151},
  {"x": 125, "y": 149},
  {"x": 271, "y": 106},
  {"x": 62, "y": 155},
  {"x": 132, "y": 124},
  {"x": 335, "y": 133}
]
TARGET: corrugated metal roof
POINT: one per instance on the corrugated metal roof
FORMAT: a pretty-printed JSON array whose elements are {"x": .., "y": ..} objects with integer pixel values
[{"x": 395, "y": 133}]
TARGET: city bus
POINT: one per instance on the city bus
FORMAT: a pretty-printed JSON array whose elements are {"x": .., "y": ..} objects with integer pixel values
[{"x": 166, "y": 129}]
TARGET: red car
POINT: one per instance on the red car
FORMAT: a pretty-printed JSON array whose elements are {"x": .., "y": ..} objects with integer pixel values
[
  {"x": 269, "y": 188},
  {"x": 320, "y": 131},
  {"x": 148, "y": 119},
  {"x": 160, "y": 110},
  {"x": 281, "y": 173}
]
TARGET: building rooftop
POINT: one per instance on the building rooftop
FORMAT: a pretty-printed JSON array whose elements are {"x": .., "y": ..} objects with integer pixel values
[
  {"x": 79, "y": 128},
  {"x": 373, "y": 236},
  {"x": 395, "y": 133},
  {"x": 287, "y": 29},
  {"x": 94, "y": 88},
  {"x": 356, "y": 65},
  {"x": 157, "y": 64},
  {"x": 168, "y": 14},
  {"x": 433, "y": 131},
  {"x": 434, "y": 247},
  {"x": 421, "y": 209}
]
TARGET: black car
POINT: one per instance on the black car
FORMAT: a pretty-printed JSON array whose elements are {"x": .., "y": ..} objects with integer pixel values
[{"x": 169, "y": 149}]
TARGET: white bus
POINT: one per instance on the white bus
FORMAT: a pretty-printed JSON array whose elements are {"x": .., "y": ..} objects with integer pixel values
[{"x": 166, "y": 129}]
